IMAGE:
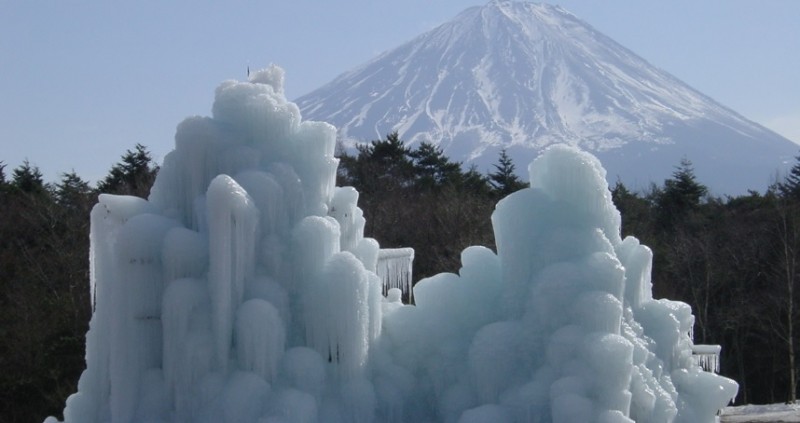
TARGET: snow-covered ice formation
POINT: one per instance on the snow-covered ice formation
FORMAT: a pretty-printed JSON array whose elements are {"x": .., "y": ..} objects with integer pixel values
[
  {"x": 244, "y": 290},
  {"x": 394, "y": 268}
]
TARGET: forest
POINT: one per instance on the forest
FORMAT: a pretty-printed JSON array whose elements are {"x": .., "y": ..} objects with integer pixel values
[{"x": 735, "y": 260}]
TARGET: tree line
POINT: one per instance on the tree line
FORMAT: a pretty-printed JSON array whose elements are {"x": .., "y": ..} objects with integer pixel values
[
  {"x": 419, "y": 198},
  {"x": 44, "y": 280},
  {"x": 733, "y": 259}
]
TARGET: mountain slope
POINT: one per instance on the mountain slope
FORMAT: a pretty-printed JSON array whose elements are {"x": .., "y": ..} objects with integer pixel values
[{"x": 523, "y": 76}]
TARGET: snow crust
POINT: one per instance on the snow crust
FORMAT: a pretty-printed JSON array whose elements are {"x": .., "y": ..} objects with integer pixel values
[{"x": 244, "y": 290}]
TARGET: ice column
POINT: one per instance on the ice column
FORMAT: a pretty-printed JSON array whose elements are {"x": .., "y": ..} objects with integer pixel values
[
  {"x": 395, "y": 270},
  {"x": 233, "y": 225}
]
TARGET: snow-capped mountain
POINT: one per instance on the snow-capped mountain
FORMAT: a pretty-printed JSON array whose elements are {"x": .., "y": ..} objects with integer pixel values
[{"x": 523, "y": 76}]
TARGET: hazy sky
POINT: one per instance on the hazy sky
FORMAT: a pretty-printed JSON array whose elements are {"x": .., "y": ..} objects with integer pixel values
[{"x": 82, "y": 81}]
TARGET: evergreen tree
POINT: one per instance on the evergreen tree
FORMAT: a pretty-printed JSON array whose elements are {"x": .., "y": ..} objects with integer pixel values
[
  {"x": 681, "y": 195},
  {"x": 790, "y": 187},
  {"x": 503, "y": 180},
  {"x": 379, "y": 165},
  {"x": 634, "y": 210},
  {"x": 72, "y": 191},
  {"x": 134, "y": 175},
  {"x": 391, "y": 152},
  {"x": 619, "y": 193},
  {"x": 432, "y": 168},
  {"x": 3, "y": 182},
  {"x": 28, "y": 179},
  {"x": 474, "y": 182}
]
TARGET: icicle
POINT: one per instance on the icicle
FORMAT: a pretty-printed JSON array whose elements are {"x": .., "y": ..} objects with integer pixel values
[
  {"x": 395, "y": 269},
  {"x": 707, "y": 357}
]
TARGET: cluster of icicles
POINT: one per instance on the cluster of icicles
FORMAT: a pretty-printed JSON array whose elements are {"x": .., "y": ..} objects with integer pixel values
[{"x": 244, "y": 290}]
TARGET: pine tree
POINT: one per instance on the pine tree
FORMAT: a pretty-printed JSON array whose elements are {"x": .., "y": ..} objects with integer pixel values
[
  {"x": 681, "y": 195},
  {"x": 72, "y": 191},
  {"x": 392, "y": 151},
  {"x": 3, "y": 182},
  {"x": 27, "y": 178},
  {"x": 790, "y": 187},
  {"x": 379, "y": 165},
  {"x": 474, "y": 182},
  {"x": 503, "y": 180},
  {"x": 134, "y": 175},
  {"x": 432, "y": 167}
]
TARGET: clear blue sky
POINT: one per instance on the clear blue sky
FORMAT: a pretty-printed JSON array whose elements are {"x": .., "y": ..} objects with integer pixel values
[{"x": 82, "y": 81}]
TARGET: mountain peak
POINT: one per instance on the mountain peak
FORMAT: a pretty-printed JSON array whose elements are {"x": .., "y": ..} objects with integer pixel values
[
  {"x": 499, "y": 5},
  {"x": 523, "y": 76}
]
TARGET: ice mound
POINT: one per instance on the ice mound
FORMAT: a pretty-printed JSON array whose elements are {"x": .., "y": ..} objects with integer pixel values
[{"x": 244, "y": 290}]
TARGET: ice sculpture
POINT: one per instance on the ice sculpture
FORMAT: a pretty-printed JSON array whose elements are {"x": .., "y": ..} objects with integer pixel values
[
  {"x": 707, "y": 356},
  {"x": 244, "y": 290},
  {"x": 394, "y": 269}
]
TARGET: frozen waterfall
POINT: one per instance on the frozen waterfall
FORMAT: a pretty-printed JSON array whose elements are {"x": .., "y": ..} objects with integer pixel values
[{"x": 243, "y": 290}]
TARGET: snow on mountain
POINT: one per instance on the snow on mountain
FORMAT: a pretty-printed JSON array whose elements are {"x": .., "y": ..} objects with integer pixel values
[{"x": 523, "y": 76}]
